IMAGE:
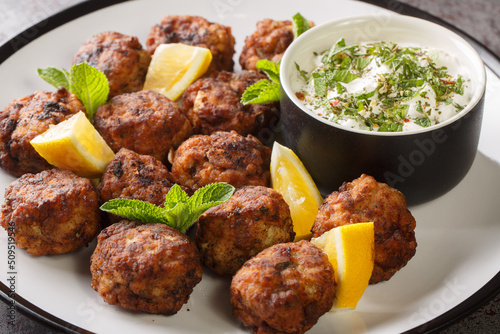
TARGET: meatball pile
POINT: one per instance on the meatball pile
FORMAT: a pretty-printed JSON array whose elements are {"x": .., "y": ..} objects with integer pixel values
[
  {"x": 120, "y": 57},
  {"x": 366, "y": 200},
  {"x": 24, "y": 119},
  {"x": 145, "y": 267},
  {"x": 52, "y": 212},
  {"x": 253, "y": 219},
  {"x": 277, "y": 286}
]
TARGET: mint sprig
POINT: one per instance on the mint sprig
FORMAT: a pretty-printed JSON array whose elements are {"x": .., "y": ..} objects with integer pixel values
[
  {"x": 265, "y": 90},
  {"x": 88, "y": 83},
  {"x": 179, "y": 210}
]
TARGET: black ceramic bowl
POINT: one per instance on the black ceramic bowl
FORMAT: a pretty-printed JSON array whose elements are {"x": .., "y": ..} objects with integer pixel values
[{"x": 422, "y": 164}]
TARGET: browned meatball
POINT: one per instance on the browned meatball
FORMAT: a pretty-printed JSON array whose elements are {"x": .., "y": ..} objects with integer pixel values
[
  {"x": 213, "y": 104},
  {"x": 253, "y": 219},
  {"x": 52, "y": 212},
  {"x": 366, "y": 200},
  {"x": 24, "y": 119},
  {"x": 146, "y": 122},
  {"x": 196, "y": 31},
  {"x": 222, "y": 157},
  {"x": 284, "y": 289},
  {"x": 120, "y": 57},
  {"x": 134, "y": 176},
  {"x": 145, "y": 267},
  {"x": 269, "y": 41}
]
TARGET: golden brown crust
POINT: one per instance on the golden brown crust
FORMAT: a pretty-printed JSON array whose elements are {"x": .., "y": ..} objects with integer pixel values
[
  {"x": 269, "y": 41},
  {"x": 24, "y": 119},
  {"x": 54, "y": 212},
  {"x": 213, "y": 104},
  {"x": 366, "y": 200},
  {"x": 196, "y": 31},
  {"x": 146, "y": 122},
  {"x": 283, "y": 289},
  {"x": 253, "y": 219},
  {"x": 134, "y": 176},
  {"x": 120, "y": 57},
  {"x": 145, "y": 267},
  {"x": 222, "y": 157}
]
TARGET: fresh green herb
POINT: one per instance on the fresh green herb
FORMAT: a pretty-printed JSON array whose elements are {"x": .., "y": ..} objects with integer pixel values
[
  {"x": 265, "y": 90},
  {"x": 179, "y": 210},
  {"x": 299, "y": 25},
  {"x": 88, "y": 83}
]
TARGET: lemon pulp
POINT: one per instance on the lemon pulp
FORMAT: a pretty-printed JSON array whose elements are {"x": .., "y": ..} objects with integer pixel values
[
  {"x": 76, "y": 145},
  {"x": 174, "y": 67},
  {"x": 350, "y": 249},
  {"x": 291, "y": 179}
]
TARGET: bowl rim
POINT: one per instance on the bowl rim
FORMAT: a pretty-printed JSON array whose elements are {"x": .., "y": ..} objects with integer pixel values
[{"x": 404, "y": 21}]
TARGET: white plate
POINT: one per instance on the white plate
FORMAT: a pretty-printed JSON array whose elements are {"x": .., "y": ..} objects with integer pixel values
[{"x": 458, "y": 250}]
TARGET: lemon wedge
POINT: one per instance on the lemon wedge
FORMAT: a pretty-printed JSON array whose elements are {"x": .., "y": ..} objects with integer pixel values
[
  {"x": 290, "y": 178},
  {"x": 174, "y": 67},
  {"x": 350, "y": 249},
  {"x": 76, "y": 145}
]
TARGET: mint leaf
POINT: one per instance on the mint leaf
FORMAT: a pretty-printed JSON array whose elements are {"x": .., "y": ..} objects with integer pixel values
[
  {"x": 135, "y": 209},
  {"x": 344, "y": 76},
  {"x": 55, "y": 77},
  {"x": 175, "y": 195},
  {"x": 299, "y": 25},
  {"x": 271, "y": 68},
  {"x": 262, "y": 91},
  {"x": 302, "y": 73},
  {"x": 90, "y": 85},
  {"x": 207, "y": 197},
  {"x": 179, "y": 210}
]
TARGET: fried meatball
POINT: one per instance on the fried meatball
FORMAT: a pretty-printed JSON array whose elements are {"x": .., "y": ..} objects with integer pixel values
[
  {"x": 253, "y": 219},
  {"x": 196, "y": 31},
  {"x": 283, "y": 289},
  {"x": 134, "y": 176},
  {"x": 145, "y": 267},
  {"x": 120, "y": 57},
  {"x": 213, "y": 104},
  {"x": 52, "y": 212},
  {"x": 24, "y": 119},
  {"x": 146, "y": 122},
  {"x": 366, "y": 200},
  {"x": 269, "y": 41},
  {"x": 222, "y": 157}
]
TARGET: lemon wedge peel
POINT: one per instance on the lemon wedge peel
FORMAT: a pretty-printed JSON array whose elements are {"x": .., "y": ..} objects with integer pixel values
[
  {"x": 76, "y": 145},
  {"x": 174, "y": 67},
  {"x": 350, "y": 249},
  {"x": 290, "y": 178}
]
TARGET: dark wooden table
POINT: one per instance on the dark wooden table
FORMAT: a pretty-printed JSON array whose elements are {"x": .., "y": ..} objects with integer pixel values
[{"x": 478, "y": 18}]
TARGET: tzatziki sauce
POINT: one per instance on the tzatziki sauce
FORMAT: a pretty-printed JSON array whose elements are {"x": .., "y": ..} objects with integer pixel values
[{"x": 384, "y": 86}]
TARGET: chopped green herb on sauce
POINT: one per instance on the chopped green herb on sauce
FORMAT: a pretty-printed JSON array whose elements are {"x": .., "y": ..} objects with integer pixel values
[{"x": 383, "y": 86}]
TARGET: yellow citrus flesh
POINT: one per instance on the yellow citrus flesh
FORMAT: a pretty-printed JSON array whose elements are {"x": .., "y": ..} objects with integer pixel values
[
  {"x": 174, "y": 67},
  {"x": 76, "y": 145},
  {"x": 350, "y": 249},
  {"x": 290, "y": 178}
]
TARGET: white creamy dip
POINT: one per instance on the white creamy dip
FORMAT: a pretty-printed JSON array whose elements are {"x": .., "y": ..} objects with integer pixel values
[{"x": 383, "y": 86}]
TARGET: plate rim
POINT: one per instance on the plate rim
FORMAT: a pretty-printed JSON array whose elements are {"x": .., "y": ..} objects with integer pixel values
[{"x": 481, "y": 297}]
